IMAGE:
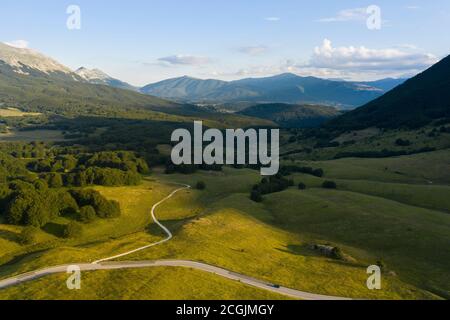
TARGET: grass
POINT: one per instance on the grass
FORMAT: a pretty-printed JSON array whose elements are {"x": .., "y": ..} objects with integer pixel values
[
  {"x": 423, "y": 168},
  {"x": 140, "y": 284},
  {"x": 32, "y": 135},
  {"x": 14, "y": 112},
  {"x": 270, "y": 240},
  {"x": 363, "y": 141},
  {"x": 412, "y": 241},
  {"x": 99, "y": 239}
]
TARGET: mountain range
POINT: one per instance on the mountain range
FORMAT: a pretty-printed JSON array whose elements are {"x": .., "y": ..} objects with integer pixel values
[
  {"x": 36, "y": 82},
  {"x": 39, "y": 83},
  {"x": 284, "y": 88}
]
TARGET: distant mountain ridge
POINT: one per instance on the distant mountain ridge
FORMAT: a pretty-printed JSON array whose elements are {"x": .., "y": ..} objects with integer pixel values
[
  {"x": 415, "y": 103},
  {"x": 284, "y": 88}
]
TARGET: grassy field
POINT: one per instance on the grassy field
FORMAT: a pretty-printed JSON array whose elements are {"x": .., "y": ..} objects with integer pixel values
[
  {"x": 402, "y": 221},
  {"x": 144, "y": 284},
  {"x": 13, "y": 112},
  {"x": 368, "y": 140},
  {"x": 32, "y": 135}
]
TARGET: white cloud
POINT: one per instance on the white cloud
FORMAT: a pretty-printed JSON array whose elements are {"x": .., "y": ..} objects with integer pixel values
[
  {"x": 348, "y": 62},
  {"x": 362, "y": 59},
  {"x": 21, "y": 44},
  {"x": 272, "y": 19},
  {"x": 253, "y": 50},
  {"x": 185, "y": 60},
  {"x": 355, "y": 14}
]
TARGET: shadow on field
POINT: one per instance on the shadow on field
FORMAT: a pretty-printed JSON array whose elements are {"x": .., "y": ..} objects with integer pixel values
[
  {"x": 299, "y": 250},
  {"x": 54, "y": 229},
  {"x": 173, "y": 225},
  {"x": 9, "y": 236}
]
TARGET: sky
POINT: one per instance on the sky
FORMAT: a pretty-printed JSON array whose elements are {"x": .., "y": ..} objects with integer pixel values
[{"x": 142, "y": 42}]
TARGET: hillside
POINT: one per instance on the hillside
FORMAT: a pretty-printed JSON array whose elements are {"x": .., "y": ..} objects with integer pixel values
[
  {"x": 292, "y": 116},
  {"x": 35, "y": 82},
  {"x": 184, "y": 88},
  {"x": 284, "y": 88},
  {"x": 415, "y": 103}
]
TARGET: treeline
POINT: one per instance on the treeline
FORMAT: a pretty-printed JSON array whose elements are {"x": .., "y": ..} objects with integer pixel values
[
  {"x": 286, "y": 170},
  {"x": 269, "y": 185},
  {"x": 190, "y": 168},
  {"x": 381, "y": 154},
  {"x": 92, "y": 176},
  {"x": 24, "y": 150},
  {"x": 34, "y": 204},
  {"x": 102, "y": 168}
]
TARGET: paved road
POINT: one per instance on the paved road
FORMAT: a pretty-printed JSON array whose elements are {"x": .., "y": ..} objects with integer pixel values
[
  {"x": 169, "y": 263},
  {"x": 104, "y": 265}
]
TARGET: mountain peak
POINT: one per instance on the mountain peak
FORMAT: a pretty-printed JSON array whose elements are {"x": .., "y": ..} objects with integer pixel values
[
  {"x": 21, "y": 59},
  {"x": 92, "y": 74}
]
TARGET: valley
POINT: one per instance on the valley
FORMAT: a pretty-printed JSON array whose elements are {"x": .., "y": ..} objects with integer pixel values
[{"x": 87, "y": 177}]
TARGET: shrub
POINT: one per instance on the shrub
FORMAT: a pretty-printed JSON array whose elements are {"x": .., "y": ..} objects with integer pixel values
[
  {"x": 55, "y": 180},
  {"x": 337, "y": 253},
  {"x": 402, "y": 143},
  {"x": 72, "y": 230},
  {"x": 87, "y": 214},
  {"x": 256, "y": 196},
  {"x": 40, "y": 185},
  {"x": 329, "y": 185},
  {"x": 104, "y": 208},
  {"x": 201, "y": 185},
  {"x": 318, "y": 173},
  {"x": 301, "y": 186},
  {"x": 28, "y": 236}
]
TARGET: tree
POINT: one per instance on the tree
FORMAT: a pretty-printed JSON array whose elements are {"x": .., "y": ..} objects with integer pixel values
[
  {"x": 201, "y": 185},
  {"x": 104, "y": 208},
  {"x": 40, "y": 185},
  {"x": 72, "y": 230},
  {"x": 329, "y": 185},
  {"x": 87, "y": 214},
  {"x": 55, "y": 180},
  {"x": 301, "y": 186}
]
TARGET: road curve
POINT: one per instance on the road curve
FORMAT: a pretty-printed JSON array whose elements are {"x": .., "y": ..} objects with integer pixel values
[
  {"x": 167, "y": 231},
  {"x": 169, "y": 263},
  {"x": 104, "y": 265}
]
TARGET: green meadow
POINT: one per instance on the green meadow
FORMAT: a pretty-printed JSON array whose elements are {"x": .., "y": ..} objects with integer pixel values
[{"x": 387, "y": 211}]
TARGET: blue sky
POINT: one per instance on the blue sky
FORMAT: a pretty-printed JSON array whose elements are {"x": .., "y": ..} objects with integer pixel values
[{"x": 146, "y": 41}]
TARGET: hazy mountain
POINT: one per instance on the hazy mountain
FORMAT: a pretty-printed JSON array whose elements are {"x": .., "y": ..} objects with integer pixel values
[
  {"x": 184, "y": 88},
  {"x": 96, "y": 76},
  {"x": 414, "y": 103},
  {"x": 383, "y": 84},
  {"x": 285, "y": 88},
  {"x": 292, "y": 116}
]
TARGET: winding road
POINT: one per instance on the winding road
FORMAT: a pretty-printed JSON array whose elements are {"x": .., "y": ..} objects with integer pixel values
[{"x": 105, "y": 264}]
